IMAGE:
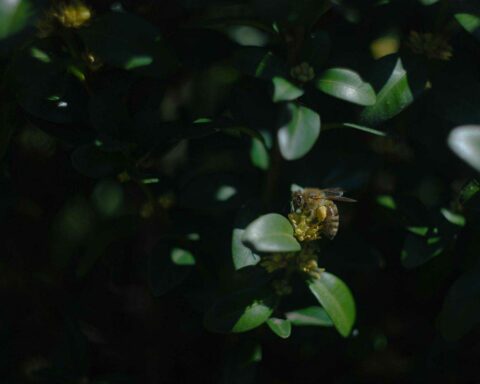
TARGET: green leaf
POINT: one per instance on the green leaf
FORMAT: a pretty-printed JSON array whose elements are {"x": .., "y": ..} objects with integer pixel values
[
  {"x": 271, "y": 233},
  {"x": 365, "y": 129},
  {"x": 465, "y": 142},
  {"x": 313, "y": 315},
  {"x": 259, "y": 151},
  {"x": 395, "y": 95},
  {"x": 168, "y": 267},
  {"x": 126, "y": 41},
  {"x": 298, "y": 136},
  {"x": 346, "y": 85},
  {"x": 387, "y": 201},
  {"x": 243, "y": 256},
  {"x": 337, "y": 300},
  {"x": 280, "y": 327},
  {"x": 469, "y": 191},
  {"x": 470, "y": 22},
  {"x": 284, "y": 90},
  {"x": 461, "y": 312},
  {"x": 453, "y": 218},
  {"x": 14, "y": 16},
  {"x": 241, "y": 311}
]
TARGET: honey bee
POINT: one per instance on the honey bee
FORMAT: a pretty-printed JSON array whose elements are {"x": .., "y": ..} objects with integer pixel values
[{"x": 319, "y": 207}]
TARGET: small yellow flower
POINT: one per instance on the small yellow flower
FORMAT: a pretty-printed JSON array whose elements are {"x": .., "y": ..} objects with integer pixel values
[
  {"x": 304, "y": 228},
  {"x": 72, "y": 15},
  {"x": 307, "y": 262},
  {"x": 430, "y": 45}
]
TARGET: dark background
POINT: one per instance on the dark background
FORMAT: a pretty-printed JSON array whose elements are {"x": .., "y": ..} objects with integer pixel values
[{"x": 79, "y": 302}]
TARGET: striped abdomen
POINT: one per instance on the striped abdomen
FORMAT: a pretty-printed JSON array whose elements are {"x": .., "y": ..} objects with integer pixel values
[{"x": 332, "y": 221}]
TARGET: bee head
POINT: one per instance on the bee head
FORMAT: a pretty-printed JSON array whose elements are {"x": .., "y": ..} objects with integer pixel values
[{"x": 297, "y": 200}]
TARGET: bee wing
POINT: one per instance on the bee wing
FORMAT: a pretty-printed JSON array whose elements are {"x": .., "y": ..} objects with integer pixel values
[
  {"x": 343, "y": 198},
  {"x": 337, "y": 195}
]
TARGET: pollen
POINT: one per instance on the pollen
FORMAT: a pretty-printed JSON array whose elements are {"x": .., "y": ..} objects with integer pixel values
[{"x": 432, "y": 46}]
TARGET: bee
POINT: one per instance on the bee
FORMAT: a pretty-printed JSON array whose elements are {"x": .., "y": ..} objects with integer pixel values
[{"x": 319, "y": 207}]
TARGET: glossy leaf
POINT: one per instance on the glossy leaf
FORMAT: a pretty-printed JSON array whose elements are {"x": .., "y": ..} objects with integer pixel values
[
  {"x": 395, "y": 95},
  {"x": 300, "y": 133},
  {"x": 242, "y": 255},
  {"x": 241, "y": 311},
  {"x": 14, "y": 16},
  {"x": 284, "y": 90},
  {"x": 337, "y": 300},
  {"x": 470, "y": 22},
  {"x": 313, "y": 315},
  {"x": 281, "y": 327},
  {"x": 347, "y": 85},
  {"x": 271, "y": 233},
  {"x": 465, "y": 142}
]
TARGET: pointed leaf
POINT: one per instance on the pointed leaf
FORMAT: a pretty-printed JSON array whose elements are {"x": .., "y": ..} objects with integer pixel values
[
  {"x": 280, "y": 327},
  {"x": 395, "y": 95},
  {"x": 284, "y": 90}
]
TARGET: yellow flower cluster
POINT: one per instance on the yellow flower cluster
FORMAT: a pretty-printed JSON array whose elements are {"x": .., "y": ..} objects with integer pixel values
[
  {"x": 74, "y": 14},
  {"x": 276, "y": 261},
  {"x": 305, "y": 229},
  {"x": 430, "y": 45},
  {"x": 307, "y": 262}
]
